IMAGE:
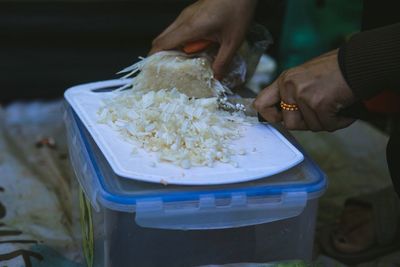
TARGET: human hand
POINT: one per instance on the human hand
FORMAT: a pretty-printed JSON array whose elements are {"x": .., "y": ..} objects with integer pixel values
[
  {"x": 317, "y": 88},
  {"x": 221, "y": 21}
]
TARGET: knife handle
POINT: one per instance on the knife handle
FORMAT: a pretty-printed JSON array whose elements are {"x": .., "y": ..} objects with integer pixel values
[{"x": 196, "y": 46}]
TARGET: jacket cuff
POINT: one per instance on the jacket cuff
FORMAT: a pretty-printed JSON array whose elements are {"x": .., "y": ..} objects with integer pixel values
[{"x": 370, "y": 61}]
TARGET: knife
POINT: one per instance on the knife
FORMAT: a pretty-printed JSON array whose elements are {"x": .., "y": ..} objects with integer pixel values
[{"x": 196, "y": 46}]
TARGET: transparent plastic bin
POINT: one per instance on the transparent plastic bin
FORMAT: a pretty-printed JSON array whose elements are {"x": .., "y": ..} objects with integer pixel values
[{"x": 131, "y": 223}]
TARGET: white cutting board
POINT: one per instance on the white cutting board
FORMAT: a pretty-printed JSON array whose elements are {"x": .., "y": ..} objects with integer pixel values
[{"x": 267, "y": 151}]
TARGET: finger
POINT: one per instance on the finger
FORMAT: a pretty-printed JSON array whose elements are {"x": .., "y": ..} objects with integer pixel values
[
  {"x": 271, "y": 114},
  {"x": 331, "y": 121},
  {"x": 223, "y": 59},
  {"x": 266, "y": 103},
  {"x": 292, "y": 119},
  {"x": 309, "y": 116},
  {"x": 156, "y": 43},
  {"x": 174, "y": 25},
  {"x": 342, "y": 122},
  {"x": 173, "y": 39}
]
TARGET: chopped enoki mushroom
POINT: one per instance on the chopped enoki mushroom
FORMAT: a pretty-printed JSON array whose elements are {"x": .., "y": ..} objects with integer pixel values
[{"x": 179, "y": 129}]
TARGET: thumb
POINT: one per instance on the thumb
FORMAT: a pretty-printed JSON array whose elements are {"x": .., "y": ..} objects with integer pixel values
[
  {"x": 172, "y": 39},
  {"x": 223, "y": 59},
  {"x": 331, "y": 124}
]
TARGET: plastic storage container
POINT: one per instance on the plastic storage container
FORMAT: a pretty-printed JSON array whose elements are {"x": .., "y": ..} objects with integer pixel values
[{"x": 130, "y": 223}]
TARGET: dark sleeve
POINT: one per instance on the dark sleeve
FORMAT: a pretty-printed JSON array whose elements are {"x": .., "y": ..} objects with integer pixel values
[{"x": 370, "y": 61}]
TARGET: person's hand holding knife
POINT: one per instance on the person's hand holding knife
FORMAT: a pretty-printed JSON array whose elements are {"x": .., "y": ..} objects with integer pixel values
[{"x": 310, "y": 96}]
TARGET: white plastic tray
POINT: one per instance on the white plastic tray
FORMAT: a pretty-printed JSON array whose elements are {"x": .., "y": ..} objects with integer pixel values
[{"x": 267, "y": 151}]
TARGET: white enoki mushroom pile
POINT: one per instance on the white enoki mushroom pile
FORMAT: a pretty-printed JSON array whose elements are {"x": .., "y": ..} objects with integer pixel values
[
  {"x": 178, "y": 127},
  {"x": 182, "y": 130}
]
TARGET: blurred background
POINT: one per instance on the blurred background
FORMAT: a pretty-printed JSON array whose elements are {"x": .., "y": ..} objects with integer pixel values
[{"x": 48, "y": 46}]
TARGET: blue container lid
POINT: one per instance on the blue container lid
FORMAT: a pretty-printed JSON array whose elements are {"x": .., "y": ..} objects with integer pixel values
[{"x": 277, "y": 197}]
